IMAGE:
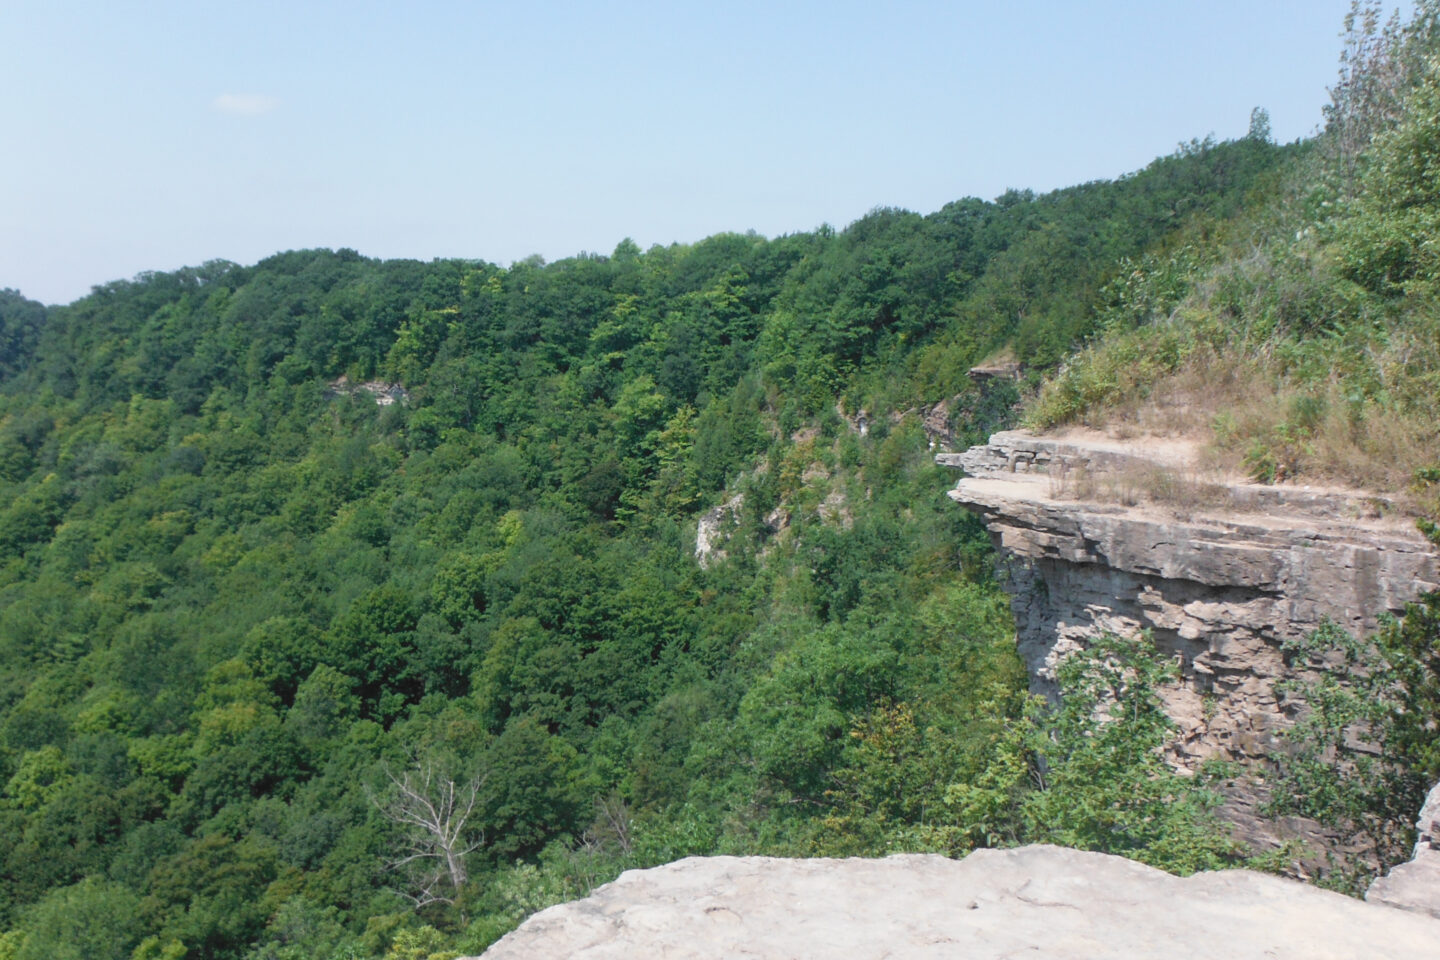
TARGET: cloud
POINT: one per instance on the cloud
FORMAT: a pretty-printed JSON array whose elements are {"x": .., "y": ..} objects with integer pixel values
[{"x": 243, "y": 104}]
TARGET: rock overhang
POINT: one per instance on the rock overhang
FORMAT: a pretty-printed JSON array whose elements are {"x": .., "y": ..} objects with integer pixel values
[{"x": 1221, "y": 581}]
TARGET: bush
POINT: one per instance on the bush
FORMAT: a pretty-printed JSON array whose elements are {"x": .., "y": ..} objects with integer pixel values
[
  {"x": 1104, "y": 783},
  {"x": 1365, "y": 750}
]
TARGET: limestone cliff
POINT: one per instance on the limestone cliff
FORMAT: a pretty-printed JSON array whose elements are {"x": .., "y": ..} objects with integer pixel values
[{"x": 1097, "y": 534}]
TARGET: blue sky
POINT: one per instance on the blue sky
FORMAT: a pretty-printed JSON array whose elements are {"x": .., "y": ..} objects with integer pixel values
[{"x": 157, "y": 135}]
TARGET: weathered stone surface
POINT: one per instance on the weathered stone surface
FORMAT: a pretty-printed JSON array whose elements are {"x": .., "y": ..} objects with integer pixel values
[
  {"x": 1415, "y": 885},
  {"x": 1035, "y": 901},
  {"x": 709, "y": 532},
  {"x": 385, "y": 394},
  {"x": 1003, "y": 370}
]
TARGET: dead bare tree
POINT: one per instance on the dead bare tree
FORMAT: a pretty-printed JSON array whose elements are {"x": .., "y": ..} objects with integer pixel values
[
  {"x": 436, "y": 813},
  {"x": 612, "y": 826}
]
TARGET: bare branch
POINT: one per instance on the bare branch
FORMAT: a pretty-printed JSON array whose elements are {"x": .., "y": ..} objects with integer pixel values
[{"x": 436, "y": 814}]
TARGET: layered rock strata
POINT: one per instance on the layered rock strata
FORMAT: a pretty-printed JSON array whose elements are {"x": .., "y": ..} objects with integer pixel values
[
  {"x": 1031, "y": 901},
  {"x": 1099, "y": 535}
]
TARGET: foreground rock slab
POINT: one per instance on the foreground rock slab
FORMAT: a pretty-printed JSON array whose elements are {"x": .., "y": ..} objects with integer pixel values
[{"x": 1038, "y": 901}]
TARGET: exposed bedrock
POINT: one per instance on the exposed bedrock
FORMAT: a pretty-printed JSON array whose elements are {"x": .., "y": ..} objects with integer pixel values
[
  {"x": 1220, "y": 573},
  {"x": 1033, "y": 901},
  {"x": 1100, "y": 535}
]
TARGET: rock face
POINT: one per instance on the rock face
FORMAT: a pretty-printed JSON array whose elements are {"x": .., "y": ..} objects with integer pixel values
[
  {"x": 1416, "y": 885},
  {"x": 385, "y": 394},
  {"x": 1097, "y": 535},
  {"x": 1033, "y": 901},
  {"x": 709, "y": 531}
]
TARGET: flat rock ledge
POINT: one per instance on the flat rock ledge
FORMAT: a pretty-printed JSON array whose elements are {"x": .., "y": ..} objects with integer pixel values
[{"x": 1039, "y": 901}]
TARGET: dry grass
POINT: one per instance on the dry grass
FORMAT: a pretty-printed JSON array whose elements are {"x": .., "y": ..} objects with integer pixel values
[
  {"x": 1180, "y": 491},
  {"x": 1279, "y": 369},
  {"x": 1071, "y": 483},
  {"x": 1251, "y": 422}
]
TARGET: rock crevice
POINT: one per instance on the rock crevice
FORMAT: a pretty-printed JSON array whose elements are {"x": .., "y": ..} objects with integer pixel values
[{"x": 1415, "y": 884}]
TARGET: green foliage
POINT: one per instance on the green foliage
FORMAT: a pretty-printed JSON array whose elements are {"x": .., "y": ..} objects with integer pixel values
[
  {"x": 1427, "y": 484},
  {"x": 1364, "y": 749},
  {"x": 42, "y": 775},
  {"x": 234, "y": 589},
  {"x": 1103, "y": 780},
  {"x": 795, "y": 717},
  {"x": 1385, "y": 244},
  {"x": 420, "y": 943},
  {"x": 1087, "y": 771},
  {"x": 299, "y": 930},
  {"x": 92, "y": 919}
]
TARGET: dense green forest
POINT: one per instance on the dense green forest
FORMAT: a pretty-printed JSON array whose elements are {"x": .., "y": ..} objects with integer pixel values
[{"x": 286, "y": 671}]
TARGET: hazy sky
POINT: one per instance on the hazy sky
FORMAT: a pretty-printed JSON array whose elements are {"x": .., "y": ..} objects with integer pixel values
[{"x": 149, "y": 136}]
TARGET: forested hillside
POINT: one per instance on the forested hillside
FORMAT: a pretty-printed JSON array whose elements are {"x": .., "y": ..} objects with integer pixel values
[
  {"x": 246, "y": 609},
  {"x": 287, "y": 671}
]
